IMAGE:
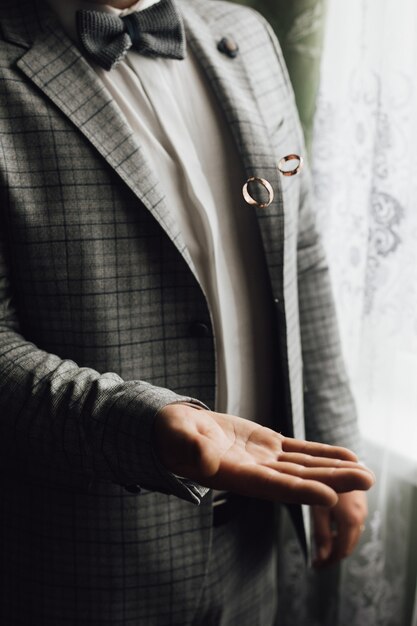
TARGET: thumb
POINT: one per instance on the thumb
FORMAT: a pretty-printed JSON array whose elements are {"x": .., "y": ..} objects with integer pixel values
[{"x": 205, "y": 457}]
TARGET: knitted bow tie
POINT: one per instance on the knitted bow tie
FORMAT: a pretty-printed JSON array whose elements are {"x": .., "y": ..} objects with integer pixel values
[{"x": 156, "y": 31}]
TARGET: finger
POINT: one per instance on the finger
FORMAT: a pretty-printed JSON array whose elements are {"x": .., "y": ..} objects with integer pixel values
[
  {"x": 315, "y": 461},
  {"x": 345, "y": 540},
  {"x": 311, "y": 461},
  {"x": 259, "y": 481},
  {"x": 317, "y": 449},
  {"x": 338, "y": 478},
  {"x": 323, "y": 536}
]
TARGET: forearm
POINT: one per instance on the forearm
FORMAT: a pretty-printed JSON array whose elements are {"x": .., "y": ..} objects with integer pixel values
[{"x": 57, "y": 414}]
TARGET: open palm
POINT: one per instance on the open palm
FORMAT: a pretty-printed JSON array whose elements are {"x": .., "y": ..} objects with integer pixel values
[{"x": 227, "y": 452}]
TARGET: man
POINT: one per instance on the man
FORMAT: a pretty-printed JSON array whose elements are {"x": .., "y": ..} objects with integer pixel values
[{"x": 138, "y": 291}]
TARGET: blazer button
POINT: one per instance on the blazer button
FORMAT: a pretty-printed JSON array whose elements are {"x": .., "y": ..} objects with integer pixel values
[
  {"x": 198, "y": 329},
  {"x": 133, "y": 488},
  {"x": 228, "y": 46}
]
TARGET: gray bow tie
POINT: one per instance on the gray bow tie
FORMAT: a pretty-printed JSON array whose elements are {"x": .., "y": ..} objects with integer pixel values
[{"x": 156, "y": 31}]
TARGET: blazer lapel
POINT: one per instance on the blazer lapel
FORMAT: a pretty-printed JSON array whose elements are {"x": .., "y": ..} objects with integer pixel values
[
  {"x": 236, "y": 92},
  {"x": 55, "y": 65},
  {"x": 231, "y": 83}
]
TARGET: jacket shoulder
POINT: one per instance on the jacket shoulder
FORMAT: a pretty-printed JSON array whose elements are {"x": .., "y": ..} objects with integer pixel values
[
  {"x": 20, "y": 21},
  {"x": 223, "y": 13}
]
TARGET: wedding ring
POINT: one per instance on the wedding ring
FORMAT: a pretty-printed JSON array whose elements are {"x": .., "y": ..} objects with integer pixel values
[
  {"x": 362, "y": 527},
  {"x": 250, "y": 200},
  {"x": 290, "y": 157}
]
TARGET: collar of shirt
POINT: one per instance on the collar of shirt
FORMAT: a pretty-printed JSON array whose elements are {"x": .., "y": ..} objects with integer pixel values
[{"x": 66, "y": 10}]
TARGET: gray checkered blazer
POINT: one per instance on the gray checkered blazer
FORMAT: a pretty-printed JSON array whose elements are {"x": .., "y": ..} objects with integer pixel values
[{"x": 97, "y": 299}]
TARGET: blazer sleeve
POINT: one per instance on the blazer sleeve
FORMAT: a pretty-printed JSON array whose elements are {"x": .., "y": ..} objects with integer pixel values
[{"x": 71, "y": 418}]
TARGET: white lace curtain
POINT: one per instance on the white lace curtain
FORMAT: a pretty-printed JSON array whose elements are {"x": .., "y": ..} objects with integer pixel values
[{"x": 364, "y": 165}]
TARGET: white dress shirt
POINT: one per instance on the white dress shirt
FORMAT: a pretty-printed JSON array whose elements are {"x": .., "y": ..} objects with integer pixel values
[{"x": 178, "y": 123}]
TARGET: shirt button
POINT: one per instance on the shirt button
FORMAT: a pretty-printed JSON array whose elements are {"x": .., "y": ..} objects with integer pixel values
[
  {"x": 228, "y": 46},
  {"x": 133, "y": 488},
  {"x": 198, "y": 329}
]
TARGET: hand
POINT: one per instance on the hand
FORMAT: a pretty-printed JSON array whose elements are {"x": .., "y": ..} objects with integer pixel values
[
  {"x": 337, "y": 530},
  {"x": 227, "y": 452}
]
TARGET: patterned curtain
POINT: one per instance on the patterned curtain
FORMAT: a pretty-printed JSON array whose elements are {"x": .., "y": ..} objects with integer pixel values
[{"x": 365, "y": 134}]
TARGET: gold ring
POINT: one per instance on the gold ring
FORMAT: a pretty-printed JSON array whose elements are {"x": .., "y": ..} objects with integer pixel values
[
  {"x": 290, "y": 157},
  {"x": 250, "y": 200}
]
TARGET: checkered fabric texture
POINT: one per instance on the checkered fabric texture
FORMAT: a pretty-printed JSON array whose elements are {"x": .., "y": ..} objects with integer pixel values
[
  {"x": 156, "y": 31},
  {"x": 240, "y": 588},
  {"x": 97, "y": 294}
]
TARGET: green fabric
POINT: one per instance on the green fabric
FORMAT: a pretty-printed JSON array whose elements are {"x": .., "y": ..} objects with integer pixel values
[{"x": 299, "y": 25}]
